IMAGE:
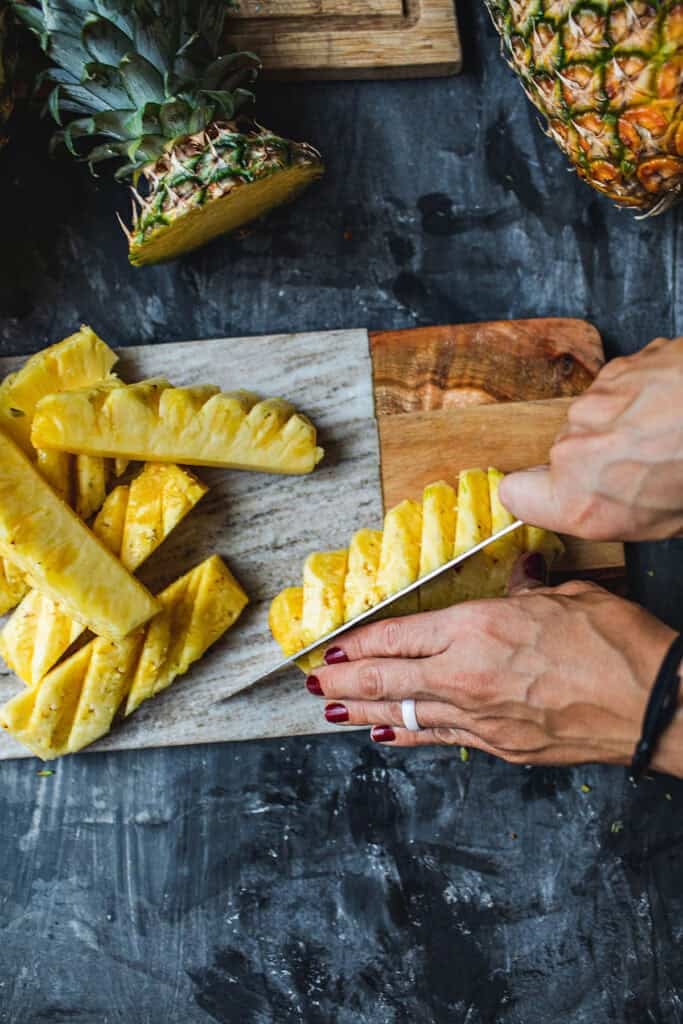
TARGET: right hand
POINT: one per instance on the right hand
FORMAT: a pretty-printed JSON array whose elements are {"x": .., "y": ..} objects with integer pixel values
[{"x": 616, "y": 470}]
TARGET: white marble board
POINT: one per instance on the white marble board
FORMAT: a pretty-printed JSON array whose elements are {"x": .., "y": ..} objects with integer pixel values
[{"x": 263, "y": 525}]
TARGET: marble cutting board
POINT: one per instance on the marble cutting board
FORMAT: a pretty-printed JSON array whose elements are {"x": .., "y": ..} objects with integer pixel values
[{"x": 264, "y": 526}]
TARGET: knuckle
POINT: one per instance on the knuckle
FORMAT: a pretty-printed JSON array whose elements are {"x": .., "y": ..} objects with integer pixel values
[
  {"x": 370, "y": 684},
  {"x": 392, "y": 636},
  {"x": 449, "y": 737}
]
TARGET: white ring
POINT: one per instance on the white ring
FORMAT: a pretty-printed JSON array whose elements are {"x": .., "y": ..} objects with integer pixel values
[{"x": 409, "y": 717}]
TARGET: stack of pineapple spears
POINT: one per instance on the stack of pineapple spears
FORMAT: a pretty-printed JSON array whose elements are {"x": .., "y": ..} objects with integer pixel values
[{"x": 87, "y": 639}]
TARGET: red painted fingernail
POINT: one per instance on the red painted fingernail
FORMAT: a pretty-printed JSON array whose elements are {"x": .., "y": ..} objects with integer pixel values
[
  {"x": 313, "y": 686},
  {"x": 382, "y": 734},
  {"x": 335, "y": 656},
  {"x": 336, "y": 713},
  {"x": 535, "y": 566}
]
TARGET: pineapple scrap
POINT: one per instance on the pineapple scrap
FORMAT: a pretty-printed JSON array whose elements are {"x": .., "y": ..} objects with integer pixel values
[
  {"x": 195, "y": 425},
  {"x": 76, "y": 703},
  {"x": 133, "y": 521},
  {"x": 77, "y": 361},
  {"x": 417, "y": 539},
  {"x": 62, "y": 558}
]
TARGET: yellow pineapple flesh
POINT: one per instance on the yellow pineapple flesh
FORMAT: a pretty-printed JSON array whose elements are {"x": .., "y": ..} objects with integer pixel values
[
  {"x": 196, "y": 425},
  {"x": 323, "y": 597},
  {"x": 76, "y": 703},
  {"x": 133, "y": 521},
  {"x": 417, "y": 539},
  {"x": 63, "y": 559}
]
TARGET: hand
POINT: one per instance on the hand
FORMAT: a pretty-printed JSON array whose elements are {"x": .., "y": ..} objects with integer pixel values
[
  {"x": 616, "y": 471},
  {"x": 547, "y": 676}
]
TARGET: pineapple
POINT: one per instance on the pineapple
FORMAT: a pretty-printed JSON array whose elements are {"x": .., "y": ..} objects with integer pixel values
[
  {"x": 62, "y": 558},
  {"x": 78, "y": 360},
  {"x": 608, "y": 77},
  {"x": 417, "y": 539},
  {"x": 132, "y": 523},
  {"x": 77, "y": 702},
  {"x": 196, "y": 425},
  {"x": 148, "y": 85}
]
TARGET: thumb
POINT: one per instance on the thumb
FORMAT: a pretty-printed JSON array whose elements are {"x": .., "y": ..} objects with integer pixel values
[
  {"x": 529, "y": 572},
  {"x": 530, "y": 496}
]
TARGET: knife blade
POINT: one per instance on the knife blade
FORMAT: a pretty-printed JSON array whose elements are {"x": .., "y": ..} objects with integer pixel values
[{"x": 325, "y": 641}]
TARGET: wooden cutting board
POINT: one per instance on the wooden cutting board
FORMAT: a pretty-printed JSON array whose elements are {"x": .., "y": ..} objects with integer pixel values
[
  {"x": 349, "y": 38},
  {"x": 416, "y": 383}
]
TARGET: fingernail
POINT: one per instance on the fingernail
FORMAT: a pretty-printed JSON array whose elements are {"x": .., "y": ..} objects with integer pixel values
[
  {"x": 535, "y": 566},
  {"x": 335, "y": 656},
  {"x": 313, "y": 686},
  {"x": 336, "y": 713},
  {"x": 382, "y": 734}
]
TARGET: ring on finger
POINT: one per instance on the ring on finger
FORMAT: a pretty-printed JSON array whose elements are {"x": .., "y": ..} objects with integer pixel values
[{"x": 409, "y": 716}]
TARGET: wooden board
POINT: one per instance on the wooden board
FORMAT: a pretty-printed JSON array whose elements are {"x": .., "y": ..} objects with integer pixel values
[
  {"x": 448, "y": 398},
  {"x": 349, "y": 38}
]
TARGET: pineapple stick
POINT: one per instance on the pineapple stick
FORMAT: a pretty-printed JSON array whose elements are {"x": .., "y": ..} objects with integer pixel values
[
  {"x": 133, "y": 522},
  {"x": 77, "y": 702},
  {"x": 197, "y": 426},
  {"x": 63, "y": 559}
]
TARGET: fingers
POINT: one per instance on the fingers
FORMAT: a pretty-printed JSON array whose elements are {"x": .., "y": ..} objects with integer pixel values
[
  {"x": 415, "y": 636},
  {"x": 529, "y": 572},
  {"x": 530, "y": 495},
  {"x": 379, "y": 679},
  {"x": 396, "y": 737},
  {"x": 430, "y": 714}
]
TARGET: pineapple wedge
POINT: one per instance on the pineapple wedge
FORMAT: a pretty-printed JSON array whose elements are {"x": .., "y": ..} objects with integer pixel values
[
  {"x": 76, "y": 703},
  {"x": 323, "y": 597},
  {"x": 416, "y": 540},
  {"x": 63, "y": 559},
  {"x": 197, "y": 425},
  {"x": 132, "y": 523}
]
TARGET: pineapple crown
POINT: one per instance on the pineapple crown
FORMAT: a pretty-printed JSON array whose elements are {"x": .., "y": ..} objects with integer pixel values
[{"x": 137, "y": 74}]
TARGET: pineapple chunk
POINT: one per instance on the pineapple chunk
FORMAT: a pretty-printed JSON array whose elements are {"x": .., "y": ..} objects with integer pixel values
[
  {"x": 195, "y": 425},
  {"x": 360, "y": 585},
  {"x": 501, "y": 554},
  {"x": 57, "y": 468},
  {"x": 439, "y": 514},
  {"x": 284, "y": 619},
  {"x": 13, "y": 585},
  {"x": 399, "y": 560},
  {"x": 132, "y": 523},
  {"x": 76, "y": 703},
  {"x": 323, "y": 598},
  {"x": 63, "y": 559},
  {"x": 76, "y": 362},
  {"x": 91, "y": 485},
  {"x": 474, "y": 510}
]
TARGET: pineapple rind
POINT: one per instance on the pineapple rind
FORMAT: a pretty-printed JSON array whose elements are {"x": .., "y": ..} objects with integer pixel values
[
  {"x": 62, "y": 558},
  {"x": 155, "y": 422},
  {"x": 133, "y": 521},
  {"x": 77, "y": 702},
  {"x": 417, "y": 538}
]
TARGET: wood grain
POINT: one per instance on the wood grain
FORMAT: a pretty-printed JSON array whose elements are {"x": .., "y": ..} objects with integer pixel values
[
  {"x": 349, "y": 38},
  {"x": 499, "y": 361}
]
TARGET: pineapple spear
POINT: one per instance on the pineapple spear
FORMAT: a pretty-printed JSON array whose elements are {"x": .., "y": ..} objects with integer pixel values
[{"x": 144, "y": 81}]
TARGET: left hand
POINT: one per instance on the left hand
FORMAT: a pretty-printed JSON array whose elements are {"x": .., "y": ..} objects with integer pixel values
[{"x": 546, "y": 676}]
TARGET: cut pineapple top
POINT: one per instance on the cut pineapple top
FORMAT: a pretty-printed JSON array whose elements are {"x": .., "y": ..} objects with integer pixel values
[
  {"x": 197, "y": 425},
  {"x": 64, "y": 560},
  {"x": 417, "y": 538},
  {"x": 77, "y": 702},
  {"x": 133, "y": 522},
  {"x": 78, "y": 361}
]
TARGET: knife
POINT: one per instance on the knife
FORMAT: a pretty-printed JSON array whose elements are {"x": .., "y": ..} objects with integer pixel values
[{"x": 325, "y": 641}]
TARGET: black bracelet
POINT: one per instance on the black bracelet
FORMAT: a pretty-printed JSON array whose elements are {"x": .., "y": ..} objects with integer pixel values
[{"x": 661, "y": 708}]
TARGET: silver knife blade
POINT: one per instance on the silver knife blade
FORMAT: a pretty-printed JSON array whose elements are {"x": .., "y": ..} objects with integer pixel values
[{"x": 325, "y": 641}]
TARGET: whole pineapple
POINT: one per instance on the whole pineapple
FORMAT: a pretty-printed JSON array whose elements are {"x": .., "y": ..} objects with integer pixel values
[
  {"x": 143, "y": 80},
  {"x": 608, "y": 76}
]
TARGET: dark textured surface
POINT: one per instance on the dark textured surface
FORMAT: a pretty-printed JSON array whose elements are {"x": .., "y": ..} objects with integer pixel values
[{"x": 327, "y": 881}]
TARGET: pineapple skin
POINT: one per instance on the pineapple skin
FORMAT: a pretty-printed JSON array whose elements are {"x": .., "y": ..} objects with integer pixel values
[
  {"x": 77, "y": 702},
  {"x": 212, "y": 183},
  {"x": 417, "y": 538},
  {"x": 608, "y": 78},
  {"x": 154, "y": 421},
  {"x": 62, "y": 558}
]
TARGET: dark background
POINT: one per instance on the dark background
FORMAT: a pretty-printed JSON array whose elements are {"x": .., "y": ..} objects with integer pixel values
[{"x": 326, "y": 880}]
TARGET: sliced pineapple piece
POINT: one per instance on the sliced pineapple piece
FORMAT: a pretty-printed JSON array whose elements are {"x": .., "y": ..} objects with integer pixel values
[
  {"x": 474, "y": 510},
  {"x": 284, "y": 619},
  {"x": 197, "y": 425},
  {"x": 360, "y": 585},
  {"x": 76, "y": 703},
  {"x": 501, "y": 554},
  {"x": 323, "y": 597},
  {"x": 63, "y": 559},
  {"x": 399, "y": 560},
  {"x": 13, "y": 585},
  {"x": 132, "y": 523},
  {"x": 57, "y": 468},
  {"x": 439, "y": 515},
  {"x": 78, "y": 361}
]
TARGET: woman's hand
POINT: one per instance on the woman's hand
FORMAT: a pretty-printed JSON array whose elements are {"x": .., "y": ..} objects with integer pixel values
[
  {"x": 548, "y": 676},
  {"x": 616, "y": 471}
]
